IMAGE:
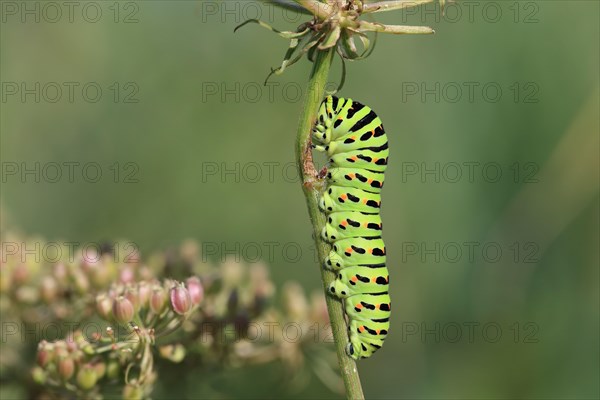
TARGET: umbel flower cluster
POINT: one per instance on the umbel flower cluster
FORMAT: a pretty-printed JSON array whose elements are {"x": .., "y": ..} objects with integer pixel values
[
  {"x": 339, "y": 25},
  {"x": 139, "y": 313},
  {"x": 96, "y": 326}
]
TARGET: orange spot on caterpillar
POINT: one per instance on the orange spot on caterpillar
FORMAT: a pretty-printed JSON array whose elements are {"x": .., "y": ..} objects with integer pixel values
[
  {"x": 354, "y": 279},
  {"x": 364, "y": 201},
  {"x": 349, "y": 250},
  {"x": 344, "y": 197},
  {"x": 359, "y": 306},
  {"x": 369, "y": 181},
  {"x": 344, "y": 222},
  {"x": 370, "y": 251},
  {"x": 353, "y": 137},
  {"x": 377, "y": 331},
  {"x": 361, "y": 328}
]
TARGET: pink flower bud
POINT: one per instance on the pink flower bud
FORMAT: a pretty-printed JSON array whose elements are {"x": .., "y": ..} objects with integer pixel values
[
  {"x": 180, "y": 299},
  {"x": 100, "y": 369},
  {"x": 132, "y": 295},
  {"x": 144, "y": 292},
  {"x": 90, "y": 258},
  {"x": 45, "y": 353},
  {"x": 158, "y": 300},
  {"x": 195, "y": 288},
  {"x": 66, "y": 368},
  {"x": 127, "y": 275},
  {"x": 104, "y": 305},
  {"x": 123, "y": 310}
]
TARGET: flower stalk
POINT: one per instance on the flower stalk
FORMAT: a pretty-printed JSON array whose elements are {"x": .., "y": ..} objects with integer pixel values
[
  {"x": 311, "y": 185},
  {"x": 336, "y": 25}
]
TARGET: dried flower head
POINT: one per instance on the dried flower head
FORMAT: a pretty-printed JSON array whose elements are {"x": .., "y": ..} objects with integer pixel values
[{"x": 336, "y": 25}]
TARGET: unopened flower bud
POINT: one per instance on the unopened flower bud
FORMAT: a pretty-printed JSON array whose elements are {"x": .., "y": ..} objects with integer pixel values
[
  {"x": 132, "y": 392},
  {"x": 144, "y": 292},
  {"x": 158, "y": 300},
  {"x": 82, "y": 284},
  {"x": 71, "y": 344},
  {"x": 45, "y": 353},
  {"x": 102, "y": 274},
  {"x": 194, "y": 287},
  {"x": 104, "y": 305},
  {"x": 61, "y": 349},
  {"x": 66, "y": 368},
  {"x": 127, "y": 275},
  {"x": 180, "y": 299},
  {"x": 123, "y": 310},
  {"x": 132, "y": 295},
  {"x": 100, "y": 369},
  {"x": 90, "y": 258},
  {"x": 48, "y": 289},
  {"x": 78, "y": 338},
  {"x": 113, "y": 369},
  {"x": 60, "y": 273},
  {"x": 39, "y": 375},
  {"x": 86, "y": 377}
]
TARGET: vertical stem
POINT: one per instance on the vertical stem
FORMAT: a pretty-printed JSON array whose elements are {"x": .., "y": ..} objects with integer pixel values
[{"x": 311, "y": 185}]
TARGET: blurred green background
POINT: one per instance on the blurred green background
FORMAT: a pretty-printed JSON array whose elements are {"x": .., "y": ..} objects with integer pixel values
[{"x": 201, "y": 110}]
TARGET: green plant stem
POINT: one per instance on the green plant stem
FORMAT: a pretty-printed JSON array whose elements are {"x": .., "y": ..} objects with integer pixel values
[{"x": 311, "y": 185}]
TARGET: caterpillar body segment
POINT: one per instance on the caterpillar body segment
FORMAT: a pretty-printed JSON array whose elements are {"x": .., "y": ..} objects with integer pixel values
[
  {"x": 366, "y": 339},
  {"x": 349, "y": 224},
  {"x": 357, "y": 251},
  {"x": 354, "y": 139},
  {"x": 356, "y": 280},
  {"x": 337, "y": 198},
  {"x": 365, "y": 141},
  {"x": 367, "y": 307},
  {"x": 362, "y": 159},
  {"x": 368, "y": 181}
]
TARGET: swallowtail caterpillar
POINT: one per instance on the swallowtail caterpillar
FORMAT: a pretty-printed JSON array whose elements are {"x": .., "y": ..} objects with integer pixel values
[{"x": 353, "y": 137}]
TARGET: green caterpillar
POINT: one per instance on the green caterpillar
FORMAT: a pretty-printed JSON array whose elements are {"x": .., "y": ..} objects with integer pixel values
[{"x": 356, "y": 144}]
